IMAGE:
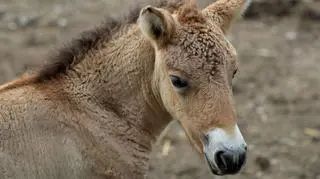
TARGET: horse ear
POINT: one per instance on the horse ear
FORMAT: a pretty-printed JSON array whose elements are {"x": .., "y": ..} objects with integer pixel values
[
  {"x": 156, "y": 24},
  {"x": 223, "y": 12}
]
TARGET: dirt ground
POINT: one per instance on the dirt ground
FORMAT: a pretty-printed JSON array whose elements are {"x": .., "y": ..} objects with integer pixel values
[{"x": 277, "y": 90}]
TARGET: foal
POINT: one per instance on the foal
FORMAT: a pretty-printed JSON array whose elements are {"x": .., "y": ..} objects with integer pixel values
[{"x": 96, "y": 109}]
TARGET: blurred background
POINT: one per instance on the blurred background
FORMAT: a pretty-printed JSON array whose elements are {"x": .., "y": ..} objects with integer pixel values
[{"x": 277, "y": 90}]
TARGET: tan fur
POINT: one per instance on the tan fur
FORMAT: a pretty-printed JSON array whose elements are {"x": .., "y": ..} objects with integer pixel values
[
  {"x": 99, "y": 117},
  {"x": 23, "y": 80}
]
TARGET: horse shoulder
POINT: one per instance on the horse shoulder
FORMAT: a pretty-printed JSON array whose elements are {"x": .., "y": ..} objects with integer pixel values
[{"x": 33, "y": 142}]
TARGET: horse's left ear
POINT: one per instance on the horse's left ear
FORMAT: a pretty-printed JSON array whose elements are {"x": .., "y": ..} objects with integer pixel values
[
  {"x": 156, "y": 24},
  {"x": 223, "y": 12}
]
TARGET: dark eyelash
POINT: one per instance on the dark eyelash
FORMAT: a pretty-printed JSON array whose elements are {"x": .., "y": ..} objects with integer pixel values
[{"x": 234, "y": 73}]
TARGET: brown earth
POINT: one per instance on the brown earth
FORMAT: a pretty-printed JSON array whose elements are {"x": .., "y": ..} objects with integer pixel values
[{"x": 277, "y": 90}]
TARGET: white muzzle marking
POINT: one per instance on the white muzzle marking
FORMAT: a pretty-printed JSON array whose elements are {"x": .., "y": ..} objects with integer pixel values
[{"x": 219, "y": 140}]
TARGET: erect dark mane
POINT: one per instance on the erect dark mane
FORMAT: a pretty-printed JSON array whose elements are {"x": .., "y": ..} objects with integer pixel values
[{"x": 73, "y": 53}]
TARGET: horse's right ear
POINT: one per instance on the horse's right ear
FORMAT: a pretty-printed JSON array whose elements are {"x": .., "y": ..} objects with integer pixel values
[
  {"x": 224, "y": 12},
  {"x": 156, "y": 24}
]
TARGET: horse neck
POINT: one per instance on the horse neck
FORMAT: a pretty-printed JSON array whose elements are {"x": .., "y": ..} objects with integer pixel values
[{"x": 118, "y": 78}]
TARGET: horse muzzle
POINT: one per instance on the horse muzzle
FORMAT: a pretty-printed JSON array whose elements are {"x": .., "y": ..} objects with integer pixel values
[{"x": 225, "y": 152}]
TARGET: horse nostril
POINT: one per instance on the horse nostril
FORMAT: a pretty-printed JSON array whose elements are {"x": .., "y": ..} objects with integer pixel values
[
  {"x": 220, "y": 160},
  {"x": 230, "y": 162}
]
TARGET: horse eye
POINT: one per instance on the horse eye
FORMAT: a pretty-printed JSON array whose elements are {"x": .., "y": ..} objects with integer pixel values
[{"x": 179, "y": 83}]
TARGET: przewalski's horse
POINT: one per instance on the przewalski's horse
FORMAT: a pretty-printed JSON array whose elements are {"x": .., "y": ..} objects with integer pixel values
[{"x": 96, "y": 109}]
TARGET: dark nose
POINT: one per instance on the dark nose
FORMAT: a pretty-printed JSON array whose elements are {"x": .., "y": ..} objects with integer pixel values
[{"x": 230, "y": 162}]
